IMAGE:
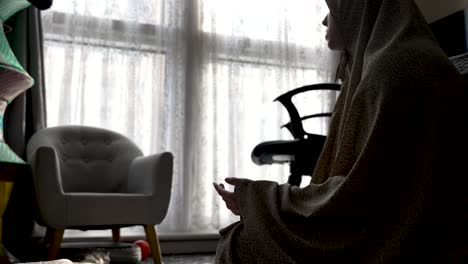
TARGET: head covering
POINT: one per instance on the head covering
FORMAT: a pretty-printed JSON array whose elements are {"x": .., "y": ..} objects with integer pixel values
[
  {"x": 371, "y": 27},
  {"x": 390, "y": 52},
  {"x": 389, "y": 186}
]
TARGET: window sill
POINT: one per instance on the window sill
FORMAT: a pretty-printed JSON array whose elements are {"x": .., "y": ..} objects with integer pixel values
[{"x": 170, "y": 242}]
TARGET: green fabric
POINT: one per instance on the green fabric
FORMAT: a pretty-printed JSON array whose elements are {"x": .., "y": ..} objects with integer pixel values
[
  {"x": 23, "y": 117},
  {"x": 7, "y": 155},
  {"x": 8, "y": 61},
  {"x": 14, "y": 80},
  {"x": 11, "y": 7}
]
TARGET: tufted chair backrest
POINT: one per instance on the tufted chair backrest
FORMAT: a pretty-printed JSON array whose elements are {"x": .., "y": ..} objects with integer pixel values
[{"x": 91, "y": 159}]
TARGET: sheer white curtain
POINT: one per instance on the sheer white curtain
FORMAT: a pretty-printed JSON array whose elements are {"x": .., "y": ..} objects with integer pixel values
[{"x": 194, "y": 77}]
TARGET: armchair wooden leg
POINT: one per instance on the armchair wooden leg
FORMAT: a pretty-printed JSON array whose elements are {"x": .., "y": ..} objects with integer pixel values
[
  {"x": 54, "y": 238},
  {"x": 153, "y": 241},
  {"x": 116, "y": 234}
]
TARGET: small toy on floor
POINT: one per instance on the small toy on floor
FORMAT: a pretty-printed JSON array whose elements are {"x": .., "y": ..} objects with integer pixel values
[
  {"x": 101, "y": 252},
  {"x": 144, "y": 247},
  {"x": 97, "y": 257}
]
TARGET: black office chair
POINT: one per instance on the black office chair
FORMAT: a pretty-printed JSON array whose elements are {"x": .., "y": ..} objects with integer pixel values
[{"x": 303, "y": 151}]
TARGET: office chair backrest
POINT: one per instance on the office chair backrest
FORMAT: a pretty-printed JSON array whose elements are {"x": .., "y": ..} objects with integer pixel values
[
  {"x": 304, "y": 150},
  {"x": 295, "y": 126}
]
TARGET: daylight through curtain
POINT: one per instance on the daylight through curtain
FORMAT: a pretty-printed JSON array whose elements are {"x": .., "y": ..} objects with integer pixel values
[{"x": 194, "y": 77}]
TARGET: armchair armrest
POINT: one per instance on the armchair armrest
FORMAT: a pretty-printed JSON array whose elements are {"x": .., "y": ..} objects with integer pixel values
[
  {"x": 48, "y": 185},
  {"x": 153, "y": 175}
]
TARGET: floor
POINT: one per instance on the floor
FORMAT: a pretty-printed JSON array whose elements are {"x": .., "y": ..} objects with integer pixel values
[
  {"x": 185, "y": 259},
  {"x": 176, "y": 259},
  {"x": 199, "y": 258}
]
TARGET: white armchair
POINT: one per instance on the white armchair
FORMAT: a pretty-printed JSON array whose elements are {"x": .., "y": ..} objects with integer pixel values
[{"x": 91, "y": 178}]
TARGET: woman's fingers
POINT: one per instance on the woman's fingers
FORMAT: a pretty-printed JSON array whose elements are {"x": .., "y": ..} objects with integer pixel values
[
  {"x": 236, "y": 181},
  {"x": 218, "y": 188},
  {"x": 233, "y": 181},
  {"x": 221, "y": 190},
  {"x": 228, "y": 198}
]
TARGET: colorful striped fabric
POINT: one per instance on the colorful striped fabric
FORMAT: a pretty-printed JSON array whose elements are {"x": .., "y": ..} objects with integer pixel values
[
  {"x": 14, "y": 80},
  {"x": 11, "y": 7}
]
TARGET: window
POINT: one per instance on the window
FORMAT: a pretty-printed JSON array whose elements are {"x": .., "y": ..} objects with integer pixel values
[{"x": 189, "y": 77}]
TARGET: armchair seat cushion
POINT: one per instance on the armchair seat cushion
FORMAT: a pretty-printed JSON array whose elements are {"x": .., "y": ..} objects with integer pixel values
[{"x": 87, "y": 209}]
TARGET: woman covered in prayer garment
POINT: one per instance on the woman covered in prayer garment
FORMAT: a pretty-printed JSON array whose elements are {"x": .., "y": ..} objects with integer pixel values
[{"x": 390, "y": 184}]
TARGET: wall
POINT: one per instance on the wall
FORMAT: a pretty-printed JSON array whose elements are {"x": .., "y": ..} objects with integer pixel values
[{"x": 435, "y": 9}]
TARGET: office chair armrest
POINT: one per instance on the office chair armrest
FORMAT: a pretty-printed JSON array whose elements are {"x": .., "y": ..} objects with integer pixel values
[
  {"x": 47, "y": 181},
  {"x": 306, "y": 88},
  {"x": 295, "y": 125}
]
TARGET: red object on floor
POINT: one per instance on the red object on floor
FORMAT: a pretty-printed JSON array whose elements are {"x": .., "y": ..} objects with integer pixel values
[{"x": 144, "y": 247}]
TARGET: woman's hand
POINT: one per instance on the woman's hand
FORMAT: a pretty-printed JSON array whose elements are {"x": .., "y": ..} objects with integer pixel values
[{"x": 228, "y": 196}]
